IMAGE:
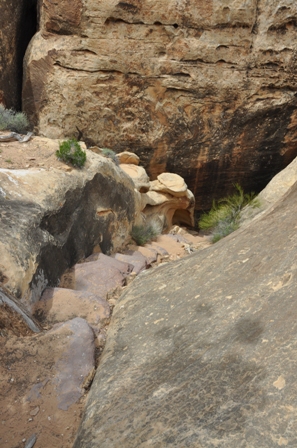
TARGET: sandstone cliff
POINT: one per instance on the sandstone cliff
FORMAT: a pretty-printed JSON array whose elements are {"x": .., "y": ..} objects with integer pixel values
[{"x": 204, "y": 89}]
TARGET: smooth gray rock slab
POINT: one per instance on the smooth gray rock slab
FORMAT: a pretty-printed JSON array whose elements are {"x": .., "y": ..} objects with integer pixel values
[
  {"x": 202, "y": 353},
  {"x": 76, "y": 360},
  {"x": 136, "y": 259},
  {"x": 101, "y": 276}
]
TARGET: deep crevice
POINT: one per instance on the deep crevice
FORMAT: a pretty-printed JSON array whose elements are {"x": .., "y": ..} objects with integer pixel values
[
  {"x": 283, "y": 27},
  {"x": 27, "y": 29},
  {"x": 185, "y": 75},
  {"x": 111, "y": 20}
]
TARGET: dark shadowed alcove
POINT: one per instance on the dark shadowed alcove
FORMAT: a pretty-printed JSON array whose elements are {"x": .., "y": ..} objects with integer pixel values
[{"x": 18, "y": 24}]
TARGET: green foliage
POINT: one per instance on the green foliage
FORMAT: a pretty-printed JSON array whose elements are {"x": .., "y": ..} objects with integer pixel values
[
  {"x": 106, "y": 152},
  {"x": 71, "y": 152},
  {"x": 223, "y": 218},
  {"x": 13, "y": 121},
  {"x": 145, "y": 233}
]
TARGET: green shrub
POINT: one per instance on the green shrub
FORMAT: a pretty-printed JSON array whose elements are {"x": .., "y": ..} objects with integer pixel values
[
  {"x": 13, "y": 121},
  {"x": 71, "y": 152},
  {"x": 223, "y": 218},
  {"x": 143, "y": 234},
  {"x": 106, "y": 152}
]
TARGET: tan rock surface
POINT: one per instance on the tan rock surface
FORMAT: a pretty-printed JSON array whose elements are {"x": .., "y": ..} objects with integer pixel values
[
  {"x": 127, "y": 157},
  {"x": 170, "y": 183},
  {"x": 165, "y": 200},
  {"x": 61, "y": 304},
  {"x": 170, "y": 209},
  {"x": 138, "y": 175},
  {"x": 204, "y": 89}
]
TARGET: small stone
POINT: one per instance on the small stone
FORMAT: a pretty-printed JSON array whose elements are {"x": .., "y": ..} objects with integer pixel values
[
  {"x": 280, "y": 382},
  {"x": 34, "y": 411}
]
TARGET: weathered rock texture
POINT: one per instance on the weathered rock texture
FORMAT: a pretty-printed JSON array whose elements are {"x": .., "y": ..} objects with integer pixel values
[
  {"x": 205, "y": 89},
  {"x": 51, "y": 218},
  {"x": 209, "y": 359},
  {"x": 17, "y": 26},
  {"x": 165, "y": 201}
]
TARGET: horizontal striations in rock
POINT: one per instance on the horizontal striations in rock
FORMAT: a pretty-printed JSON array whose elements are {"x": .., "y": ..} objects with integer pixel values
[{"x": 205, "y": 90}]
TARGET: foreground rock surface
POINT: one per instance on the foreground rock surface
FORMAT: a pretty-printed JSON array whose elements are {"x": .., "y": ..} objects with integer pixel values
[
  {"x": 45, "y": 377},
  {"x": 208, "y": 359},
  {"x": 205, "y": 89}
]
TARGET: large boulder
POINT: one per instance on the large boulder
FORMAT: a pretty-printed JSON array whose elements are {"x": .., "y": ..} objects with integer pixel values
[
  {"x": 53, "y": 217},
  {"x": 203, "y": 352},
  {"x": 203, "y": 89}
]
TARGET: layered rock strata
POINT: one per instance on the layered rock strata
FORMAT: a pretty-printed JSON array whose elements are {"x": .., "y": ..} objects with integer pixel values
[{"x": 206, "y": 90}]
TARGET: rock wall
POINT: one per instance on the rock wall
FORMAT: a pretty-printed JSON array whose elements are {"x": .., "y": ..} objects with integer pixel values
[
  {"x": 205, "y": 89},
  {"x": 17, "y": 26}
]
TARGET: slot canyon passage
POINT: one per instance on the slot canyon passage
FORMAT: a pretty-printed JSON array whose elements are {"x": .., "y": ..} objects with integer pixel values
[{"x": 199, "y": 352}]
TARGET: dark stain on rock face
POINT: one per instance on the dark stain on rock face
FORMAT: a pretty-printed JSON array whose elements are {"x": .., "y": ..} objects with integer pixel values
[
  {"x": 168, "y": 332},
  {"x": 76, "y": 227},
  {"x": 217, "y": 399},
  {"x": 249, "y": 148},
  {"x": 203, "y": 308},
  {"x": 128, "y": 7},
  {"x": 248, "y": 330},
  {"x": 18, "y": 24}
]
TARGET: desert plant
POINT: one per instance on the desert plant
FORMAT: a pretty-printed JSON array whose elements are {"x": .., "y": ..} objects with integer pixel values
[
  {"x": 13, "y": 121},
  {"x": 145, "y": 233},
  {"x": 106, "y": 152},
  {"x": 71, "y": 152},
  {"x": 223, "y": 218}
]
